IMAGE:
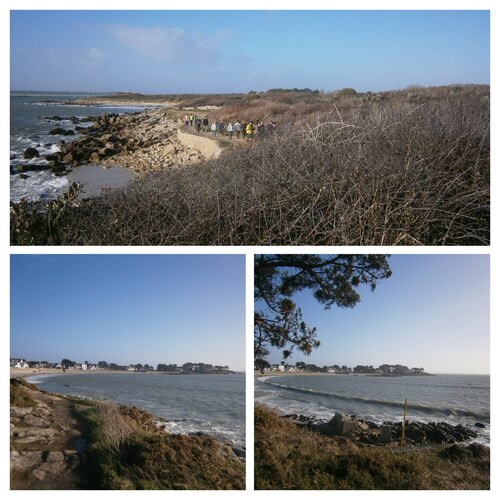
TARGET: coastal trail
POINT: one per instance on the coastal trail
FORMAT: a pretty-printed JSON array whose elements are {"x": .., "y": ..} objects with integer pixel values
[{"x": 46, "y": 441}]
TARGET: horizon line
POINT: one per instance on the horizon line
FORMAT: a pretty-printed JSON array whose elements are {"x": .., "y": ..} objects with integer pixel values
[{"x": 396, "y": 89}]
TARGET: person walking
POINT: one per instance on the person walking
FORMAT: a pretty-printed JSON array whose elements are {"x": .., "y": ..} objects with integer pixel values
[
  {"x": 243, "y": 129},
  {"x": 213, "y": 128},
  {"x": 249, "y": 130},
  {"x": 197, "y": 122},
  {"x": 271, "y": 127},
  {"x": 230, "y": 129},
  {"x": 221, "y": 127},
  {"x": 191, "y": 119},
  {"x": 237, "y": 128},
  {"x": 205, "y": 124}
]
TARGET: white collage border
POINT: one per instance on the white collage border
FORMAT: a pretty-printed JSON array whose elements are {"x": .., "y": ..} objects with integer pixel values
[{"x": 6, "y": 250}]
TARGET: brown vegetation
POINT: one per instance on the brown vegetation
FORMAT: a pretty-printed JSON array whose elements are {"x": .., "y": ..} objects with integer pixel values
[
  {"x": 405, "y": 168},
  {"x": 19, "y": 395},
  {"x": 289, "y": 457},
  {"x": 127, "y": 451}
]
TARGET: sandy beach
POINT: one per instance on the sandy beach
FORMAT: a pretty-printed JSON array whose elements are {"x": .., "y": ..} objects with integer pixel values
[{"x": 29, "y": 372}]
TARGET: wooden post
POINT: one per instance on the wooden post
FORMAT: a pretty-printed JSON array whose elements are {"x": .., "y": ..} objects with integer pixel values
[{"x": 404, "y": 423}]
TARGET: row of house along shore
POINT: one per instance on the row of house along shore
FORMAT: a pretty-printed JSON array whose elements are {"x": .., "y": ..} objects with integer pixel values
[
  {"x": 385, "y": 369},
  {"x": 25, "y": 364},
  {"x": 68, "y": 365},
  {"x": 86, "y": 366}
]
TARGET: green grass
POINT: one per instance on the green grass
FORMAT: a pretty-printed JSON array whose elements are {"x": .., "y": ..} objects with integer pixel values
[{"x": 288, "y": 457}]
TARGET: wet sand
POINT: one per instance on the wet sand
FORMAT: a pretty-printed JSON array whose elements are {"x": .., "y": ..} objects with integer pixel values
[{"x": 97, "y": 180}]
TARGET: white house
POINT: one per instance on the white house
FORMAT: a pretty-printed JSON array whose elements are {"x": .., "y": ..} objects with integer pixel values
[
  {"x": 21, "y": 364},
  {"x": 278, "y": 368}
]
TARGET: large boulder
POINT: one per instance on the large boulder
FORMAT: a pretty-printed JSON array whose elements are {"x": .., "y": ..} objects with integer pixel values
[
  {"x": 415, "y": 433},
  {"x": 17, "y": 411},
  {"x": 61, "y": 131},
  {"x": 169, "y": 149},
  {"x": 339, "y": 425},
  {"x": 69, "y": 158},
  {"x": 31, "y": 153},
  {"x": 25, "y": 460},
  {"x": 95, "y": 157},
  {"x": 385, "y": 435}
]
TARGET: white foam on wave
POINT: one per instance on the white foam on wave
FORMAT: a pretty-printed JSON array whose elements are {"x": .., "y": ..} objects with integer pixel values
[
  {"x": 187, "y": 427},
  {"x": 37, "y": 186}
]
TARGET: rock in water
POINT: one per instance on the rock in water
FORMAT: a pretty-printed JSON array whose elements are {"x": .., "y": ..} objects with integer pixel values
[{"x": 30, "y": 153}]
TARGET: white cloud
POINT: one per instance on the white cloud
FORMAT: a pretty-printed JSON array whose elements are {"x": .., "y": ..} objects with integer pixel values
[{"x": 172, "y": 45}]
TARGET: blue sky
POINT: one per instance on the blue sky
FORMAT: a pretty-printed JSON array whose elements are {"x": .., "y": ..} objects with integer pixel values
[
  {"x": 239, "y": 51},
  {"x": 129, "y": 308},
  {"x": 433, "y": 312}
]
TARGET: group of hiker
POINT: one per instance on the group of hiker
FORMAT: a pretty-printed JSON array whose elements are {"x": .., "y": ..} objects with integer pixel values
[{"x": 243, "y": 129}]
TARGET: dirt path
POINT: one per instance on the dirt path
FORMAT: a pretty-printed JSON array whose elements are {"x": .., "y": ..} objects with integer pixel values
[{"x": 46, "y": 443}]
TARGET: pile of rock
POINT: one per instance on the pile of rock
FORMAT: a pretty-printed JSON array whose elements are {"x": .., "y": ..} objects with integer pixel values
[
  {"x": 143, "y": 141},
  {"x": 416, "y": 433}
]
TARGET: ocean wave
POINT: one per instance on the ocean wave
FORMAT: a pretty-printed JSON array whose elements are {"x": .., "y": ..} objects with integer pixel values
[
  {"x": 430, "y": 409},
  {"x": 37, "y": 186}
]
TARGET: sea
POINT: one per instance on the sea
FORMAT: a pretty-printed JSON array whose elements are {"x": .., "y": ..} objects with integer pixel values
[
  {"x": 29, "y": 129},
  {"x": 213, "y": 404},
  {"x": 456, "y": 399}
]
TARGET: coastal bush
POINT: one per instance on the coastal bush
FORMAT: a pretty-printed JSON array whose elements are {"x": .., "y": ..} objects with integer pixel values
[
  {"x": 290, "y": 457},
  {"x": 128, "y": 451},
  {"x": 33, "y": 224},
  {"x": 394, "y": 172}
]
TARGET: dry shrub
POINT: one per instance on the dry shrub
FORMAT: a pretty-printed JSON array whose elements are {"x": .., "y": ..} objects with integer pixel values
[{"x": 379, "y": 173}]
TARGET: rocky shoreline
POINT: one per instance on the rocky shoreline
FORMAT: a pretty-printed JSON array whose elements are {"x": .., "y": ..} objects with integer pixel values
[
  {"x": 370, "y": 433},
  {"x": 145, "y": 141}
]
